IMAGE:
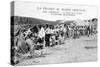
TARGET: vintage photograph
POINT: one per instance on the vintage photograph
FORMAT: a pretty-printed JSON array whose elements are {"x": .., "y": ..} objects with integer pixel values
[{"x": 44, "y": 33}]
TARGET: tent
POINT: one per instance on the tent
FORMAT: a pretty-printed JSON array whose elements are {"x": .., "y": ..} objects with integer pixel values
[{"x": 81, "y": 22}]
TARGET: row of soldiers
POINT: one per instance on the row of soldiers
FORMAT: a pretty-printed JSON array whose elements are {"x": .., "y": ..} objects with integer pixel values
[
  {"x": 47, "y": 35},
  {"x": 41, "y": 36}
]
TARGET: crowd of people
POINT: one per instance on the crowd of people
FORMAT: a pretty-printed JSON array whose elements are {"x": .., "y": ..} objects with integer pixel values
[{"x": 41, "y": 36}]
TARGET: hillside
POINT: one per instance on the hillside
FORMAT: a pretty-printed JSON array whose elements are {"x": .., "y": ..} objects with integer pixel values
[{"x": 28, "y": 20}]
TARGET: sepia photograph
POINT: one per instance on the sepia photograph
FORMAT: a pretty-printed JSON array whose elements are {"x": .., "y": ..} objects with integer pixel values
[{"x": 48, "y": 33}]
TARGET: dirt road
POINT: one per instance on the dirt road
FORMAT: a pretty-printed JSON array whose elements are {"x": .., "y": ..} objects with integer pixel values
[{"x": 74, "y": 50}]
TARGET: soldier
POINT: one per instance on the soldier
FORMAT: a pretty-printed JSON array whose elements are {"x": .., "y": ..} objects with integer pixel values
[
  {"x": 41, "y": 35},
  {"x": 47, "y": 36}
]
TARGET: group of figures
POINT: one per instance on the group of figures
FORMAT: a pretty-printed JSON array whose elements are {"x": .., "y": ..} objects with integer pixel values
[{"x": 40, "y": 36}]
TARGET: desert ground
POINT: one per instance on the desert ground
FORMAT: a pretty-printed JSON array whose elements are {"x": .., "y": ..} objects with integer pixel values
[{"x": 73, "y": 50}]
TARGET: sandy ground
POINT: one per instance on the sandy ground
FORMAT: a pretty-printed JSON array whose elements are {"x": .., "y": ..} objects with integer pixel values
[{"x": 74, "y": 50}]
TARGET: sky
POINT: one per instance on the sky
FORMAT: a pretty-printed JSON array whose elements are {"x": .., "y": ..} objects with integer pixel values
[{"x": 35, "y": 10}]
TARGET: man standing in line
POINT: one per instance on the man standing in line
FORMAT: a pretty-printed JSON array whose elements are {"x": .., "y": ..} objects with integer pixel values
[
  {"x": 41, "y": 35},
  {"x": 47, "y": 36}
]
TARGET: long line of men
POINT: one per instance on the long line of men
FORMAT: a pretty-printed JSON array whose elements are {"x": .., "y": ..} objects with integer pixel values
[
  {"x": 47, "y": 35},
  {"x": 50, "y": 35}
]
